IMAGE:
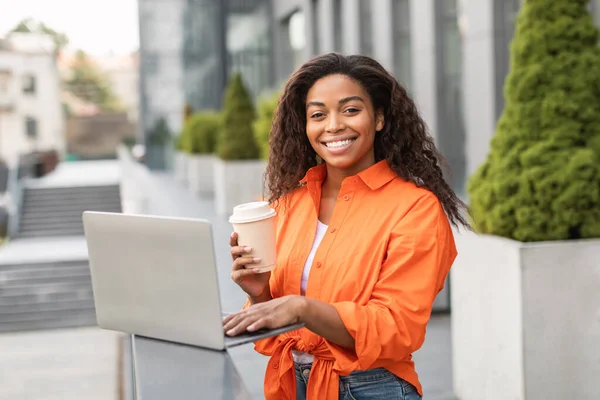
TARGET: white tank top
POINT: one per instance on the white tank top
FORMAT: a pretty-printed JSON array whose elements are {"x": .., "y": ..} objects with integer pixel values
[{"x": 300, "y": 357}]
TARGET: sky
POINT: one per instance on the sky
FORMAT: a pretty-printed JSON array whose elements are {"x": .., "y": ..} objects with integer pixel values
[{"x": 97, "y": 27}]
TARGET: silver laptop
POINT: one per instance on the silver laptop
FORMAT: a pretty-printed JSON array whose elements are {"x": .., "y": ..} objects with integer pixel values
[{"x": 157, "y": 277}]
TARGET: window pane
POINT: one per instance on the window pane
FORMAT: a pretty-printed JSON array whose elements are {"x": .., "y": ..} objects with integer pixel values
[
  {"x": 402, "y": 45},
  {"x": 248, "y": 45},
  {"x": 451, "y": 132},
  {"x": 316, "y": 27},
  {"x": 366, "y": 28},
  {"x": 31, "y": 127},
  {"x": 596, "y": 10},
  {"x": 29, "y": 84},
  {"x": 5, "y": 78},
  {"x": 337, "y": 25},
  {"x": 450, "y": 7}
]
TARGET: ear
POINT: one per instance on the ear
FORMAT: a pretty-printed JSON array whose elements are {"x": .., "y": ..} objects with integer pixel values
[{"x": 379, "y": 121}]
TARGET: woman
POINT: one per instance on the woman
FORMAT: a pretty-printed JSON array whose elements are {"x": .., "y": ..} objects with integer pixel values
[{"x": 364, "y": 240}]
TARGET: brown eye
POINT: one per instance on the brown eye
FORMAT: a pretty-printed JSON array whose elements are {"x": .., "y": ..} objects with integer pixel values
[{"x": 317, "y": 115}]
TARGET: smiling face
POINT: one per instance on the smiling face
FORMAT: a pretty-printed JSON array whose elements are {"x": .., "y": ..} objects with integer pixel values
[{"x": 341, "y": 123}]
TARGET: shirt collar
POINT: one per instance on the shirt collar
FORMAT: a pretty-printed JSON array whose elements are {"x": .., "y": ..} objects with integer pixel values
[{"x": 374, "y": 177}]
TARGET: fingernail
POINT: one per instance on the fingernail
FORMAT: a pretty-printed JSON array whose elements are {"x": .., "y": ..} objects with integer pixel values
[
  {"x": 256, "y": 259},
  {"x": 232, "y": 233},
  {"x": 250, "y": 328},
  {"x": 248, "y": 249},
  {"x": 230, "y": 332},
  {"x": 256, "y": 270}
]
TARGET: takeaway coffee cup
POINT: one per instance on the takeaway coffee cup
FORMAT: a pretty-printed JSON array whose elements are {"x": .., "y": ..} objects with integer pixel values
[{"x": 255, "y": 225}]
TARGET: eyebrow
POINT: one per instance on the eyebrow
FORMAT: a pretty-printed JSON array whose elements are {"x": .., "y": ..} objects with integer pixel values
[{"x": 342, "y": 101}]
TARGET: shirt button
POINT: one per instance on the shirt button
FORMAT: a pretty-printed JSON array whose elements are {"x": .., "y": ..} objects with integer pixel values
[
  {"x": 311, "y": 346},
  {"x": 318, "y": 265},
  {"x": 306, "y": 373},
  {"x": 333, "y": 230},
  {"x": 346, "y": 197},
  {"x": 354, "y": 180},
  {"x": 275, "y": 365}
]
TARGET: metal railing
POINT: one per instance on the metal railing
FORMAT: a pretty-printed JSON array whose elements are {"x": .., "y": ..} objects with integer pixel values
[{"x": 13, "y": 196}]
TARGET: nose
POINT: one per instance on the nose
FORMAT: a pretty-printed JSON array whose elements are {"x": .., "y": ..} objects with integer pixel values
[{"x": 335, "y": 123}]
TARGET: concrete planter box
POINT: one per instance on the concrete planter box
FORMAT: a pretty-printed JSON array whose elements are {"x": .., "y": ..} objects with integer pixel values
[
  {"x": 525, "y": 319},
  {"x": 201, "y": 169},
  {"x": 237, "y": 182},
  {"x": 180, "y": 167}
]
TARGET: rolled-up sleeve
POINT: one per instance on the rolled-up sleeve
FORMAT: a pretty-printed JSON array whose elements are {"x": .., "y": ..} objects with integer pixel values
[
  {"x": 392, "y": 324},
  {"x": 268, "y": 345}
]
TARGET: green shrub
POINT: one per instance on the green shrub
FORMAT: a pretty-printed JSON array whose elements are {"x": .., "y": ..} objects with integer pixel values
[
  {"x": 262, "y": 125},
  {"x": 179, "y": 142},
  {"x": 541, "y": 179},
  {"x": 200, "y": 132},
  {"x": 160, "y": 135},
  {"x": 237, "y": 139}
]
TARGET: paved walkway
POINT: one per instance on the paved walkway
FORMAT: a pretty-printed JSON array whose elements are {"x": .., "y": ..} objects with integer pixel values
[
  {"x": 80, "y": 173},
  {"x": 64, "y": 364}
]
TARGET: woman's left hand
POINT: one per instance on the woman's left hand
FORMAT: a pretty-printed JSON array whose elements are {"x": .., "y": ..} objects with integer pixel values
[{"x": 271, "y": 314}]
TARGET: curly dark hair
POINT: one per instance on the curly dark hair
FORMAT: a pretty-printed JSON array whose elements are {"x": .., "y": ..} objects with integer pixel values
[{"x": 404, "y": 141}]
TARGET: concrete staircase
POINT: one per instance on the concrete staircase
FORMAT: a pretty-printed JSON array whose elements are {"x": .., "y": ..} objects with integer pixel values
[
  {"x": 45, "y": 295},
  {"x": 51, "y": 212},
  {"x": 44, "y": 270}
]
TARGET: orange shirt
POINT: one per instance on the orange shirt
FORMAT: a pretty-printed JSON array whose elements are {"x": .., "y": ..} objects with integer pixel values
[{"x": 383, "y": 260}]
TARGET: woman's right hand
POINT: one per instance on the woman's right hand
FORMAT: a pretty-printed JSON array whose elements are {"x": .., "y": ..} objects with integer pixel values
[{"x": 253, "y": 282}]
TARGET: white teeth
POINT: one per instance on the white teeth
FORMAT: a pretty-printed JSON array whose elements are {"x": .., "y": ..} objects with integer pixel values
[{"x": 341, "y": 143}]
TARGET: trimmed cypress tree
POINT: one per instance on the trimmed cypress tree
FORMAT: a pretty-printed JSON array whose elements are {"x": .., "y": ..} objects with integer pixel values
[
  {"x": 237, "y": 140},
  {"x": 262, "y": 125},
  {"x": 541, "y": 179}
]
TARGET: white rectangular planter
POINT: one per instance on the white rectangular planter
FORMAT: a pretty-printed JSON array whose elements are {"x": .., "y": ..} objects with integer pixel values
[
  {"x": 525, "y": 319},
  {"x": 237, "y": 182},
  {"x": 180, "y": 167},
  {"x": 201, "y": 179}
]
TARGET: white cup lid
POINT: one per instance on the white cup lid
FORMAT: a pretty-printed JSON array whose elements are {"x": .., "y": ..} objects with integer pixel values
[{"x": 251, "y": 212}]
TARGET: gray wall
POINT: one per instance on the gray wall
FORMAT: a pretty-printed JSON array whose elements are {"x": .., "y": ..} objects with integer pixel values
[
  {"x": 480, "y": 87},
  {"x": 161, "y": 70}
]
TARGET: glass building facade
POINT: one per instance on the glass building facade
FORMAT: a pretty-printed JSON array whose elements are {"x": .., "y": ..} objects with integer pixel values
[
  {"x": 204, "y": 57},
  {"x": 505, "y": 18},
  {"x": 189, "y": 48},
  {"x": 161, "y": 74},
  {"x": 451, "y": 127},
  {"x": 402, "y": 46},
  {"x": 249, "y": 44},
  {"x": 222, "y": 37}
]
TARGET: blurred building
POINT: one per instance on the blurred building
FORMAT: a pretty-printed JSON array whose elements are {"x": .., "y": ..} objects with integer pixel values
[
  {"x": 31, "y": 115},
  {"x": 161, "y": 79},
  {"x": 188, "y": 48},
  {"x": 452, "y": 55},
  {"x": 222, "y": 37}
]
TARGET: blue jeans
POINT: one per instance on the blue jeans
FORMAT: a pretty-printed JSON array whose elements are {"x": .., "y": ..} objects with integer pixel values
[{"x": 376, "y": 383}]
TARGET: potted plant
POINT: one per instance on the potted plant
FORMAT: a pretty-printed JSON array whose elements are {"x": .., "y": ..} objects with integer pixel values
[
  {"x": 525, "y": 290},
  {"x": 238, "y": 170},
  {"x": 157, "y": 144},
  {"x": 262, "y": 125},
  {"x": 200, "y": 135},
  {"x": 180, "y": 167}
]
